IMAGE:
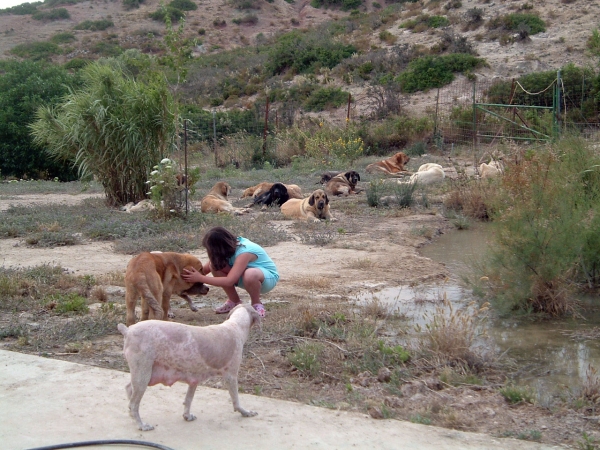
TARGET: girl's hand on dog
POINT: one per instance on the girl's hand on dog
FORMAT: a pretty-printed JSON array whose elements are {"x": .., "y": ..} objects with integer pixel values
[{"x": 192, "y": 276}]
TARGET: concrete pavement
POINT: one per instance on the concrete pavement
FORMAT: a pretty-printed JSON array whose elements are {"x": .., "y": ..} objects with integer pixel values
[{"x": 46, "y": 402}]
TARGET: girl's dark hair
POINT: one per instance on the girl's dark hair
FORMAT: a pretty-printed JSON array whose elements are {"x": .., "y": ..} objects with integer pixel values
[{"x": 220, "y": 245}]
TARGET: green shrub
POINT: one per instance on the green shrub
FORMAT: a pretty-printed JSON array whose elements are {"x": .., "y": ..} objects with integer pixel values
[
  {"x": 438, "y": 22},
  {"x": 513, "y": 21},
  {"x": 430, "y": 72},
  {"x": 105, "y": 48},
  {"x": 304, "y": 52},
  {"x": 161, "y": 15},
  {"x": 248, "y": 19},
  {"x": 22, "y": 9},
  {"x": 63, "y": 38},
  {"x": 132, "y": 4},
  {"x": 76, "y": 63},
  {"x": 183, "y": 5},
  {"x": 345, "y": 5},
  {"x": 95, "y": 25},
  {"x": 36, "y": 51},
  {"x": 53, "y": 14},
  {"x": 326, "y": 98}
]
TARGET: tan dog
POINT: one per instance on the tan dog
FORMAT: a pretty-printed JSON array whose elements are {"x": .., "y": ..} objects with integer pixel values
[
  {"x": 167, "y": 352},
  {"x": 217, "y": 200},
  {"x": 343, "y": 184},
  {"x": 313, "y": 208},
  {"x": 155, "y": 277},
  {"x": 390, "y": 166},
  {"x": 293, "y": 190}
]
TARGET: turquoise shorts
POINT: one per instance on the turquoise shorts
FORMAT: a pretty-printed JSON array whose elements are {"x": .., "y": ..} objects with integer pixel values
[{"x": 268, "y": 283}]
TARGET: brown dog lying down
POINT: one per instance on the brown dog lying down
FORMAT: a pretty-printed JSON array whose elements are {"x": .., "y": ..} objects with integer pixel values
[
  {"x": 155, "y": 277},
  {"x": 314, "y": 208},
  {"x": 167, "y": 352},
  {"x": 343, "y": 184},
  {"x": 217, "y": 200},
  {"x": 391, "y": 166},
  {"x": 293, "y": 190}
]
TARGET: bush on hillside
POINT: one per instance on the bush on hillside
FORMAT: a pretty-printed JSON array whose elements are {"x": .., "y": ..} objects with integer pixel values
[
  {"x": 161, "y": 14},
  {"x": 95, "y": 25},
  {"x": 303, "y": 53},
  {"x": 63, "y": 38},
  {"x": 183, "y": 5},
  {"x": 430, "y": 72},
  {"x": 51, "y": 15},
  {"x": 326, "y": 98},
  {"x": 22, "y": 9},
  {"x": 512, "y": 22},
  {"x": 36, "y": 51},
  {"x": 132, "y": 4}
]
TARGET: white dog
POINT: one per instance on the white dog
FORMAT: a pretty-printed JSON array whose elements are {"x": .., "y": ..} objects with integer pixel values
[
  {"x": 167, "y": 352},
  {"x": 491, "y": 170},
  {"x": 429, "y": 173}
]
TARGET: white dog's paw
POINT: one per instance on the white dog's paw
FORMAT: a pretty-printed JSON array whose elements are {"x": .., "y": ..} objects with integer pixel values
[
  {"x": 146, "y": 427},
  {"x": 194, "y": 308},
  {"x": 171, "y": 315},
  {"x": 189, "y": 417}
]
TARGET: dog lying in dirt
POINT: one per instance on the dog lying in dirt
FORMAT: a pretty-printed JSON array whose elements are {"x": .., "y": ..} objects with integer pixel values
[
  {"x": 277, "y": 194},
  {"x": 428, "y": 173},
  {"x": 314, "y": 208},
  {"x": 391, "y": 166},
  {"x": 155, "y": 277},
  {"x": 343, "y": 184},
  {"x": 293, "y": 190},
  {"x": 167, "y": 352},
  {"x": 217, "y": 200}
]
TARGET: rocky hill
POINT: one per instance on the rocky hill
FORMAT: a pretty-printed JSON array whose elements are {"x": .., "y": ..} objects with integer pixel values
[{"x": 226, "y": 24}]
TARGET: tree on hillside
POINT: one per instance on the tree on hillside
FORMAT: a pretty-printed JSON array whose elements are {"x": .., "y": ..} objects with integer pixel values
[
  {"x": 24, "y": 87},
  {"x": 115, "y": 128}
]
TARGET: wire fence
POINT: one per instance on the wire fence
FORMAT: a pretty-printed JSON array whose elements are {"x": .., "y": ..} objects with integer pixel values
[{"x": 476, "y": 113}]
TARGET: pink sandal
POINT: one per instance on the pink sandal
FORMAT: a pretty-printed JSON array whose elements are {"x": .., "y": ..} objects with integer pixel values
[
  {"x": 260, "y": 309},
  {"x": 226, "y": 307}
]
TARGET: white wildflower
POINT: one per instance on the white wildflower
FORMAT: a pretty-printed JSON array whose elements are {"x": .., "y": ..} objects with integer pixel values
[
  {"x": 166, "y": 161},
  {"x": 154, "y": 172}
]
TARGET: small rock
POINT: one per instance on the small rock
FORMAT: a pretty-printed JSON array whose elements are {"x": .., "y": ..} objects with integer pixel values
[
  {"x": 375, "y": 412},
  {"x": 384, "y": 375}
]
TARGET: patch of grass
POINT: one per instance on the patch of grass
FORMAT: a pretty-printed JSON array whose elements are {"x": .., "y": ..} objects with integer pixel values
[
  {"x": 306, "y": 358},
  {"x": 517, "y": 394},
  {"x": 421, "y": 419},
  {"x": 63, "y": 38},
  {"x": 51, "y": 15},
  {"x": 70, "y": 303}
]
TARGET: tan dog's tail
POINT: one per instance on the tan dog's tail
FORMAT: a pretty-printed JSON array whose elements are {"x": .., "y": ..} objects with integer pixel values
[{"x": 123, "y": 329}]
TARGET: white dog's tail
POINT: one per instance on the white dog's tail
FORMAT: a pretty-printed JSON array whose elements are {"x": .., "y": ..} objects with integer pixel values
[{"x": 123, "y": 329}]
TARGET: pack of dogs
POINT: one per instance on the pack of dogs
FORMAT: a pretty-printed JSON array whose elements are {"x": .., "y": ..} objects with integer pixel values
[{"x": 159, "y": 350}]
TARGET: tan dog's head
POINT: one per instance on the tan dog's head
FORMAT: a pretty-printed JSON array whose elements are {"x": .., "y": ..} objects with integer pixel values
[
  {"x": 353, "y": 177},
  {"x": 318, "y": 199},
  {"x": 401, "y": 159},
  {"x": 196, "y": 288}
]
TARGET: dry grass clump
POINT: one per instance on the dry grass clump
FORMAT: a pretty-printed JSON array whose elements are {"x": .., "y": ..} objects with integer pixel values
[{"x": 450, "y": 336}]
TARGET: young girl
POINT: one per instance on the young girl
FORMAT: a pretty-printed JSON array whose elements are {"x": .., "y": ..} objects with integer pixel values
[{"x": 235, "y": 261}]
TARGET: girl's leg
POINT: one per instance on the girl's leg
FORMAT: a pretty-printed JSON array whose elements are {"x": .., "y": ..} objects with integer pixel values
[
  {"x": 231, "y": 292},
  {"x": 253, "y": 279}
]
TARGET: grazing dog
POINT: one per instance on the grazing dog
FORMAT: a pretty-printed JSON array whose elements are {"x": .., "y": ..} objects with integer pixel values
[
  {"x": 167, "y": 352},
  {"x": 390, "y": 166},
  {"x": 155, "y": 277},
  {"x": 314, "y": 208},
  {"x": 277, "y": 194},
  {"x": 293, "y": 190},
  {"x": 343, "y": 184},
  {"x": 217, "y": 200}
]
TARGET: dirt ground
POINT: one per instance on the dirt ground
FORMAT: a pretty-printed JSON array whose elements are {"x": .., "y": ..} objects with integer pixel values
[{"x": 375, "y": 253}]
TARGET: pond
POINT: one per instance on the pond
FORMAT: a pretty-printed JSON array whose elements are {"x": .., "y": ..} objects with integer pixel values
[{"x": 551, "y": 355}]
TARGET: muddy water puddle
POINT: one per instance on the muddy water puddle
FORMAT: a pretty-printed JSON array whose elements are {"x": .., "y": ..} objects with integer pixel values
[{"x": 549, "y": 356}]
